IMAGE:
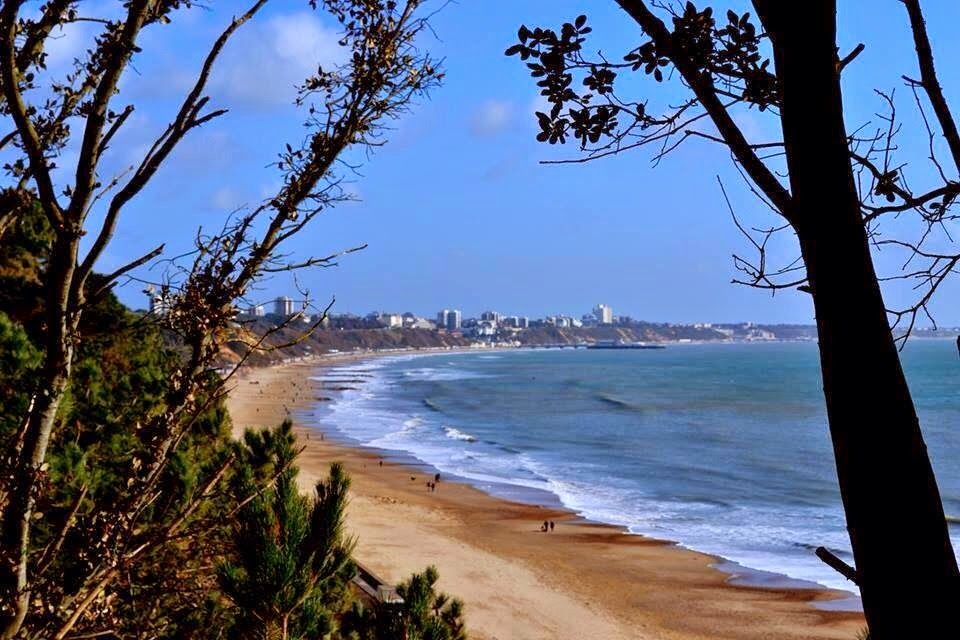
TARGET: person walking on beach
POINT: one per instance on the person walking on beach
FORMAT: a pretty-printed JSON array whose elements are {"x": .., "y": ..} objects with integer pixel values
[
  {"x": 436, "y": 478},
  {"x": 551, "y": 525}
]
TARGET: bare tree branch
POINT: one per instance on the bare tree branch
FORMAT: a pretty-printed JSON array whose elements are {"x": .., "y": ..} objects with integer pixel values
[{"x": 929, "y": 80}]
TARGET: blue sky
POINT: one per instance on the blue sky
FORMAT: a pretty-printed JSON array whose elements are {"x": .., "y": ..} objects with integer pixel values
[{"x": 456, "y": 209}]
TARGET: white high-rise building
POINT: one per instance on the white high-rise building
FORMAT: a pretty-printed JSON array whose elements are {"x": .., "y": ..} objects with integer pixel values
[
  {"x": 283, "y": 306},
  {"x": 449, "y": 319},
  {"x": 516, "y": 322},
  {"x": 491, "y": 316},
  {"x": 603, "y": 314},
  {"x": 257, "y": 311}
]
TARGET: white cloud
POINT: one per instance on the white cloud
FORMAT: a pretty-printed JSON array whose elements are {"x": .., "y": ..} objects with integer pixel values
[
  {"x": 72, "y": 40},
  {"x": 207, "y": 150},
  {"x": 265, "y": 63},
  {"x": 539, "y": 103},
  {"x": 270, "y": 189},
  {"x": 758, "y": 126},
  {"x": 225, "y": 199},
  {"x": 352, "y": 190},
  {"x": 66, "y": 43},
  {"x": 302, "y": 40},
  {"x": 491, "y": 118}
]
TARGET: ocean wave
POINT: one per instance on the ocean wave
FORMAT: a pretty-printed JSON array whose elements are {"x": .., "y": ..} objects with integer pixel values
[
  {"x": 618, "y": 403},
  {"x": 807, "y": 546},
  {"x": 390, "y": 414},
  {"x": 433, "y": 406},
  {"x": 456, "y": 434},
  {"x": 430, "y": 374},
  {"x": 412, "y": 423},
  {"x": 756, "y": 537}
]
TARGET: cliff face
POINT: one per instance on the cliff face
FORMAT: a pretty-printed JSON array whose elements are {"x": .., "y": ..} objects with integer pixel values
[
  {"x": 573, "y": 335},
  {"x": 287, "y": 343},
  {"x": 639, "y": 332}
]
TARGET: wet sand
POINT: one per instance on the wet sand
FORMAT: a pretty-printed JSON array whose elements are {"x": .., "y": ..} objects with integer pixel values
[{"x": 583, "y": 580}]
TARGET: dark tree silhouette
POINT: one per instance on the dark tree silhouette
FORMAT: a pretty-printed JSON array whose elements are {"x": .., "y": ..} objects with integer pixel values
[{"x": 838, "y": 187}]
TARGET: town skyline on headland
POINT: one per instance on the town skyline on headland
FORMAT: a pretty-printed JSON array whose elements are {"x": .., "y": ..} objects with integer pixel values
[{"x": 599, "y": 324}]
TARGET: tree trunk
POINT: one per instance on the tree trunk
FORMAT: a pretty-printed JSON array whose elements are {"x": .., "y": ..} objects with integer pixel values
[
  {"x": 904, "y": 559},
  {"x": 18, "y": 512}
]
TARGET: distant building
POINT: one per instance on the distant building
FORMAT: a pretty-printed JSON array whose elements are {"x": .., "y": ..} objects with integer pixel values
[
  {"x": 257, "y": 311},
  {"x": 385, "y": 320},
  {"x": 283, "y": 306},
  {"x": 562, "y": 322},
  {"x": 516, "y": 322},
  {"x": 391, "y": 320},
  {"x": 159, "y": 301},
  {"x": 449, "y": 319},
  {"x": 420, "y": 323},
  {"x": 603, "y": 314},
  {"x": 491, "y": 316},
  {"x": 486, "y": 328}
]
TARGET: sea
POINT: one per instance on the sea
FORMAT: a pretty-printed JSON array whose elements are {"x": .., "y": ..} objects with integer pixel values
[{"x": 722, "y": 448}]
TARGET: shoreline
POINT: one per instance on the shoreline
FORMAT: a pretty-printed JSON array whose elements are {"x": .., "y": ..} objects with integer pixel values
[
  {"x": 737, "y": 571},
  {"x": 586, "y": 579}
]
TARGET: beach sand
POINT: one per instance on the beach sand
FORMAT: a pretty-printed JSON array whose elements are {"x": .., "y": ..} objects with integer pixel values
[{"x": 581, "y": 581}]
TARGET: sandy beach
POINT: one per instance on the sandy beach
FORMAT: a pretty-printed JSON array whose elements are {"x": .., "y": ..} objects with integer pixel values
[{"x": 583, "y": 580}]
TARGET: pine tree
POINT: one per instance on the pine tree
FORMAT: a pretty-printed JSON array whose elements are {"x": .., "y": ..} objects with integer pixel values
[
  {"x": 430, "y": 615},
  {"x": 424, "y": 614},
  {"x": 291, "y": 563}
]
